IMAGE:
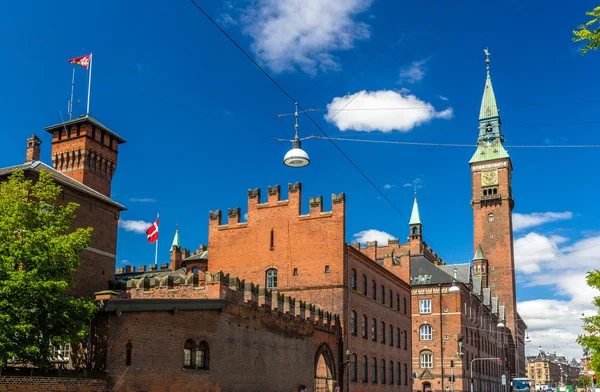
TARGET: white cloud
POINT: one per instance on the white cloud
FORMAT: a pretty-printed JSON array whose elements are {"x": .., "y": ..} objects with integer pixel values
[
  {"x": 291, "y": 34},
  {"x": 389, "y": 186},
  {"x": 443, "y": 98},
  {"x": 124, "y": 261},
  {"x": 361, "y": 113},
  {"x": 556, "y": 268},
  {"x": 525, "y": 221},
  {"x": 372, "y": 235},
  {"x": 142, "y": 200},
  {"x": 415, "y": 72},
  {"x": 137, "y": 226},
  {"x": 416, "y": 183}
]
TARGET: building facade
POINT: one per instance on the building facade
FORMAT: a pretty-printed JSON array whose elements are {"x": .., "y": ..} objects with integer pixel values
[
  {"x": 84, "y": 158},
  {"x": 305, "y": 255},
  {"x": 547, "y": 370}
]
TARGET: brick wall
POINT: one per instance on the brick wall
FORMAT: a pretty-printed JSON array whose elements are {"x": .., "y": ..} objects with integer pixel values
[
  {"x": 307, "y": 250},
  {"x": 250, "y": 350},
  {"x": 51, "y": 384}
]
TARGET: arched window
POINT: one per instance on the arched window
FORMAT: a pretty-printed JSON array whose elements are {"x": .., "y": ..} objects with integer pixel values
[
  {"x": 364, "y": 326},
  {"x": 391, "y": 372},
  {"x": 383, "y": 372},
  {"x": 353, "y": 279},
  {"x": 272, "y": 278},
  {"x": 405, "y": 374},
  {"x": 383, "y": 333},
  {"x": 189, "y": 354},
  {"x": 128, "y": 349},
  {"x": 485, "y": 192},
  {"x": 353, "y": 323},
  {"x": 415, "y": 231},
  {"x": 374, "y": 329},
  {"x": 202, "y": 356},
  {"x": 491, "y": 218},
  {"x": 398, "y": 338},
  {"x": 353, "y": 369},
  {"x": 382, "y": 294},
  {"x": 365, "y": 369},
  {"x": 425, "y": 332},
  {"x": 405, "y": 340},
  {"x": 404, "y": 305},
  {"x": 374, "y": 290},
  {"x": 398, "y": 302},
  {"x": 195, "y": 270},
  {"x": 374, "y": 370},
  {"x": 391, "y": 299},
  {"x": 391, "y": 329},
  {"x": 426, "y": 359},
  {"x": 399, "y": 370},
  {"x": 364, "y": 284}
]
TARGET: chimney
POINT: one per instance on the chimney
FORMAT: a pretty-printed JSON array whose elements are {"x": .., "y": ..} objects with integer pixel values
[{"x": 33, "y": 149}]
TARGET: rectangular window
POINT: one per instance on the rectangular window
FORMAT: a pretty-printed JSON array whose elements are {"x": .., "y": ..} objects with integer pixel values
[
  {"x": 424, "y": 306},
  {"x": 61, "y": 353},
  {"x": 426, "y": 361},
  {"x": 326, "y": 269},
  {"x": 295, "y": 271}
]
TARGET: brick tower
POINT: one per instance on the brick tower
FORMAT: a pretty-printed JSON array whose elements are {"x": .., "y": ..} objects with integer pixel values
[
  {"x": 86, "y": 151},
  {"x": 492, "y": 202}
]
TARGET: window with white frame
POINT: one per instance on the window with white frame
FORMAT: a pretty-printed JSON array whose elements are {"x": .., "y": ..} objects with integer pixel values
[
  {"x": 425, "y": 332},
  {"x": 424, "y": 306},
  {"x": 61, "y": 353},
  {"x": 426, "y": 360}
]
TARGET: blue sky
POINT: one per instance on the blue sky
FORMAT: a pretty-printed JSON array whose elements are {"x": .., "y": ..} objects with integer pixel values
[{"x": 198, "y": 118}]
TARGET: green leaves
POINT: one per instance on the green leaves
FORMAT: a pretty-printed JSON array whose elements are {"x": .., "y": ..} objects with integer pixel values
[
  {"x": 591, "y": 325},
  {"x": 585, "y": 34},
  {"x": 39, "y": 252}
]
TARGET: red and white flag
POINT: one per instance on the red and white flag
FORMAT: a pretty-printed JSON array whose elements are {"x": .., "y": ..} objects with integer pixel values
[
  {"x": 84, "y": 61},
  {"x": 152, "y": 232}
]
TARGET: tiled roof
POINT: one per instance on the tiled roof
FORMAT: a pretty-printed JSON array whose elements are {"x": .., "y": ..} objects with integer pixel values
[
  {"x": 37, "y": 166},
  {"x": 198, "y": 256},
  {"x": 421, "y": 267}
]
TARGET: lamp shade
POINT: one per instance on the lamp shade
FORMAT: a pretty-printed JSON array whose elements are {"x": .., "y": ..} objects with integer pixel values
[{"x": 296, "y": 157}]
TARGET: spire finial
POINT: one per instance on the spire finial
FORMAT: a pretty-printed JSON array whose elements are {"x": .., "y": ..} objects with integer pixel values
[
  {"x": 487, "y": 57},
  {"x": 415, "y": 192}
]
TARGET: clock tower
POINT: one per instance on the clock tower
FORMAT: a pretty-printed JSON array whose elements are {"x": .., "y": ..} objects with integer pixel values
[{"x": 492, "y": 202}]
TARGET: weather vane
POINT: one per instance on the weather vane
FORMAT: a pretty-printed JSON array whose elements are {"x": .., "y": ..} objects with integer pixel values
[{"x": 487, "y": 54}]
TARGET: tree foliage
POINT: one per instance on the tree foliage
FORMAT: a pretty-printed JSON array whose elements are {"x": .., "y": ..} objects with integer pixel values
[
  {"x": 584, "y": 381},
  {"x": 38, "y": 254},
  {"x": 587, "y": 33},
  {"x": 591, "y": 325}
]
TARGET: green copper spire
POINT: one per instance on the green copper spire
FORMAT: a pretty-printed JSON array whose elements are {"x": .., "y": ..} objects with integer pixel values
[
  {"x": 415, "y": 218},
  {"x": 490, "y": 140},
  {"x": 176, "y": 241},
  {"x": 479, "y": 254},
  {"x": 489, "y": 108}
]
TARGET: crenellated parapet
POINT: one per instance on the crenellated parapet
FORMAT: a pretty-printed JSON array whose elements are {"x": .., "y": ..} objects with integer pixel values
[
  {"x": 292, "y": 206},
  {"x": 219, "y": 285}
]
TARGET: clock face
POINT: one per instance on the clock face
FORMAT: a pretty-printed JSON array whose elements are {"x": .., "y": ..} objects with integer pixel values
[{"x": 489, "y": 178}]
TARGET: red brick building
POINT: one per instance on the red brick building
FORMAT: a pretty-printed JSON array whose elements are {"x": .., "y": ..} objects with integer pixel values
[
  {"x": 84, "y": 158},
  {"x": 178, "y": 331},
  {"x": 306, "y": 256}
]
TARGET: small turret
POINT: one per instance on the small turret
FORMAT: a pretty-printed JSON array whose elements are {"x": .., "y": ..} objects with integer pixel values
[
  {"x": 480, "y": 266},
  {"x": 415, "y": 220},
  {"x": 176, "y": 251}
]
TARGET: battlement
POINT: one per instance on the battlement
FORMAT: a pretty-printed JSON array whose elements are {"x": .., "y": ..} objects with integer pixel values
[
  {"x": 290, "y": 207},
  {"x": 223, "y": 286}
]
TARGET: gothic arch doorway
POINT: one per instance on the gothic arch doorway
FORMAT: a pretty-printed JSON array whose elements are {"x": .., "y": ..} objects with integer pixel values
[
  {"x": 324, "y": 369},
  {"x": 426, "y": 387}
]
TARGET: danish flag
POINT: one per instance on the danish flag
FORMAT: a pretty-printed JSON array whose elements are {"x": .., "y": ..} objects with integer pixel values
[
  {"x": 84, "y": 61},
  {"x": 152, "y": 232}
]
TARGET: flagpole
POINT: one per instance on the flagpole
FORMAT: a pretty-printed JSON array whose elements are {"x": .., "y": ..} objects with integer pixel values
[
  {"x": 157, "y": 235},
  {"x": 89, "y": 84},
  {"x": 72, "y": 90}
]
